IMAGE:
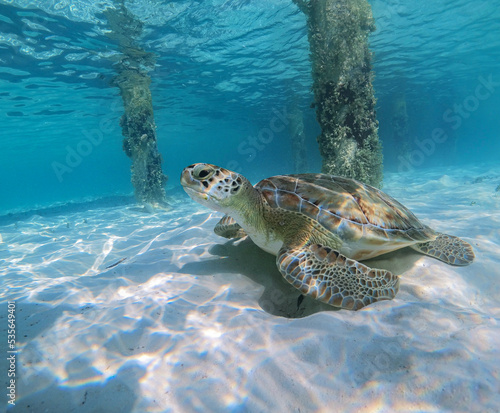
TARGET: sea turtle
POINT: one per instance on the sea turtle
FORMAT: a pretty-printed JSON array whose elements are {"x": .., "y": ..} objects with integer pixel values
[{"x": 319, "y": 226}]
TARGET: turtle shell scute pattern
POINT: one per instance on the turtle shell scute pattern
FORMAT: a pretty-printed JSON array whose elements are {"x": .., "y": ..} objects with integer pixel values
[{"x": 339, "y": 203}]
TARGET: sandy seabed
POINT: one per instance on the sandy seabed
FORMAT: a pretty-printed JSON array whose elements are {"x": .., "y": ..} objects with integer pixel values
[{"x": 118, "y": 310}]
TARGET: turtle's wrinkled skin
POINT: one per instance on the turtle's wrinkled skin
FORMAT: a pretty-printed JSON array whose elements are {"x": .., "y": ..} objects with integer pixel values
[{"x": 319, "y": 226}]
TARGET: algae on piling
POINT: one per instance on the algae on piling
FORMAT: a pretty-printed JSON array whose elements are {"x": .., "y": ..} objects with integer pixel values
[
  {"x": 338, "y": 33},
  {"x": 138, "y": 124}
]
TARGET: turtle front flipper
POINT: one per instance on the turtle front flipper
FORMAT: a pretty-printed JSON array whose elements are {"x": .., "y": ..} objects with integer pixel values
[
  {"x": 227, "y": 227},
  {"x": 328, "y": 276},
  {"x": 447, "y": 248}
]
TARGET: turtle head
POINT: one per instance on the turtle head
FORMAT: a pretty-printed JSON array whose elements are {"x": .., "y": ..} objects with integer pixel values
[{"x": 214, "y": 187}]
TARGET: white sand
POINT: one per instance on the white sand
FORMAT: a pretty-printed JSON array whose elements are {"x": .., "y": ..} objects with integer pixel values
[{"x": 189, "y": 322}]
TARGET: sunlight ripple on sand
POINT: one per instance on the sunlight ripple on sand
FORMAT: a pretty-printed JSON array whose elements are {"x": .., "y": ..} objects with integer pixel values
[{"x": 120, "y": 310}]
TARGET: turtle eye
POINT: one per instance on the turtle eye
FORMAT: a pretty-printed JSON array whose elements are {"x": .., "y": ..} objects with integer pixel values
[{"x": 202, "y": 172}]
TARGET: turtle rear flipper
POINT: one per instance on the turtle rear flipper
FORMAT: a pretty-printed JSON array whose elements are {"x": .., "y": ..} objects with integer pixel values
[
  {"x": 227, "y": 227},
  {"x": 328, "y": 276},
  {"x": 447, "y": 248}
]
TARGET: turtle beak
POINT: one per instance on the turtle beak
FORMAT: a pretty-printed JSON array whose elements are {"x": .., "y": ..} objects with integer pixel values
[
  {"x": 192, "y": 186},
  {"x": 186, "y": 177},
  {"x": 195, "y": 195}
]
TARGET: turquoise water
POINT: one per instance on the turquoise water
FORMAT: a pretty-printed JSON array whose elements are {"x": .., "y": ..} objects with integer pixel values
[
  {"x": 223, "y": 69},
  {"x": 118, "y": 310}
]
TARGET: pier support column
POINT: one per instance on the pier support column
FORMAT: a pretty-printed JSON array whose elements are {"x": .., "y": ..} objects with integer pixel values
[
  {"x": 338, "y": 33},
  {"x": 138, "y": 123}
]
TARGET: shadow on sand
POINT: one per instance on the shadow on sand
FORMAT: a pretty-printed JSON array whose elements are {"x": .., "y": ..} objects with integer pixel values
[{"x": 279, "y": 297}]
